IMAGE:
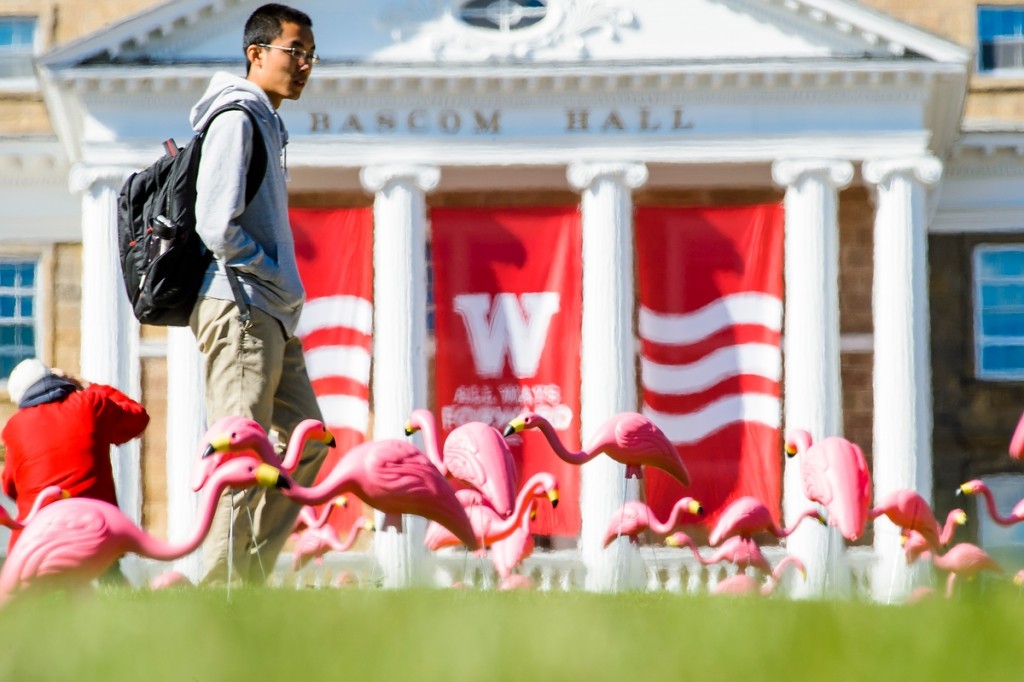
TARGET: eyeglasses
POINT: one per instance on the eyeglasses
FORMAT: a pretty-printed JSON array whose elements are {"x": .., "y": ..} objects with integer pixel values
[{"x": 297, "y": 53}]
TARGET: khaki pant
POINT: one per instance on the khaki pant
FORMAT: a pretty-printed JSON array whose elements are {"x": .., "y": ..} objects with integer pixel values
[{"x": 259, "y": 373}]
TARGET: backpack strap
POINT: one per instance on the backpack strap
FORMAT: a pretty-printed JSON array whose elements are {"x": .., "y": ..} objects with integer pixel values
[{"x": 253, "y": 180}]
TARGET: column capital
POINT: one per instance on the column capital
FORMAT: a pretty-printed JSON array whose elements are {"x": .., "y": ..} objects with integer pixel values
[
  {"x": 376, "y": 178},
  {"x": 84, "y": 175},
  {"x": 926, "y": 169},
  {"x": 836, "y": 172},
  {"x": 582, "y": 175}
]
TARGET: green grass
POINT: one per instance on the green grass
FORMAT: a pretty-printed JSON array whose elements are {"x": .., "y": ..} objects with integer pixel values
[{"x": 285, "y": 635}]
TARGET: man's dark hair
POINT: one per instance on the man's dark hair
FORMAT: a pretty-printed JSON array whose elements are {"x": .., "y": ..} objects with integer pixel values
[{"x": 265, "y": 24}]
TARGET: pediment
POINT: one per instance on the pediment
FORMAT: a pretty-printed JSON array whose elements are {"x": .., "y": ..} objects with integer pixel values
[{"x": 433, "y": 33}]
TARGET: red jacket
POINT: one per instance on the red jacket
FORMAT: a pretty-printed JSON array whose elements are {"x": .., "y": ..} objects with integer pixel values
[{"x": 68, "y": 444}]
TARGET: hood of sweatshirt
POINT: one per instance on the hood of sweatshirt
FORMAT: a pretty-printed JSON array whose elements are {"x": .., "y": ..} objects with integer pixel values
[{"x": 227, "y": 88}]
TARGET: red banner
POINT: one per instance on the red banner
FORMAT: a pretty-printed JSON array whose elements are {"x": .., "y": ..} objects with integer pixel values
[
  {"x": 334, "y": 250},
  {"x": 710, "y": 324},
  {"x": 508, "y": 298}
]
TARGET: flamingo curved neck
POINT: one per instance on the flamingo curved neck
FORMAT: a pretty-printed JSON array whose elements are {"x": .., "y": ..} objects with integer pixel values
[
  {"x": 951, "y": 523},
  {"x": 505, "y": 527},
  {"x": 688, "y": 541},
  {"x": 315, "y": 520},
  {"x": 782, "y": 565},
  {"x": 786, "y": 532},
  {"x": 431, "y": 442},
  {"x": 296, "y": 444},
  {"x": 350, "y": 539},
  {"x": 337, "y": 482},
  {"x": 990, "y": 504},
  {"x": 160, "y": 550},
  {"x": 666, "y": 527},
  {"x": 579, "y": 457}
]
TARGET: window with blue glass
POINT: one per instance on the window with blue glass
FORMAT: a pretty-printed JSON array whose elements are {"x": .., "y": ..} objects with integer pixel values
[
  {"x": 999, "y": 311},
  {"x": 1000, "y": 38},
  {"x": 17, "y": 312},
  {"x": 17, "y": 41}
]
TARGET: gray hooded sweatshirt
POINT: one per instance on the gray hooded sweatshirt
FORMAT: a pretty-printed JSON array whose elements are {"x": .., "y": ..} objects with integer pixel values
[{"x": 256, "y": 240}]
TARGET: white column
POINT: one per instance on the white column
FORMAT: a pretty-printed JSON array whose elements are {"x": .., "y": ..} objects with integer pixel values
[
  {"x": 110, "y": 332},
  {"x": 186, "y": 425},
  {"x": 399, "y": 336},
  {"x": 902, "y": 371},
  {"x": 813, "y": 391},
  {"x": 608, "y": 362}
]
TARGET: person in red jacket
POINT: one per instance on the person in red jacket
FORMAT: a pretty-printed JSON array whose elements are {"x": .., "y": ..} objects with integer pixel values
[{"x": 61, "y": 435}]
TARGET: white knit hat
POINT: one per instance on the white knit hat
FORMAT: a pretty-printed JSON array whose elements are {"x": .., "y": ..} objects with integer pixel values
[{"x": 23, "y": 376}]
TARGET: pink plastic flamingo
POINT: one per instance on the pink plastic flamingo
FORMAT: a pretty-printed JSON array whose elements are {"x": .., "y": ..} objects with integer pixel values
[
  {"x": 488, "y": 526},
  {"x": 741, "y": 583},
  {"x": 908, "y": 510},
  {"x": 72, "y": 541},
  {"x": 509, "y": 552},
  {"x": 977, "y": 487},
  {"x": 47, "y": 495},
  {"x": 737, "y": 550},
  {"x": 835, "y": 475},
  {"x": 634, "y": 517},
  {"x": 475, "y": 454},
  {"x": 748, "y": 515},
  {"x": 628, "y": 437},
  {"x": 963, "y": 560},
  {"x": 315, "y": 542},
  {"x": 394, "y": 477}
]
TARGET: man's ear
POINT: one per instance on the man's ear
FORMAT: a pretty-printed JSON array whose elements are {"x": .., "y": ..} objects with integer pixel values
[{"x": 252, "y": 53}]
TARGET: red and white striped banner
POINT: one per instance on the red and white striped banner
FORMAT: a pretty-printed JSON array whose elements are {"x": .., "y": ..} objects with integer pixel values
[
  {"x": 710, "y": 326},
  {"x": 508, "y": 297},
  {"x": 334, "y": 250}
]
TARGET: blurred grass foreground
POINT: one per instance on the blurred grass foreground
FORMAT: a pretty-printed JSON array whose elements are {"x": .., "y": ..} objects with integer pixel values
[{"x": 190, "y": 634}]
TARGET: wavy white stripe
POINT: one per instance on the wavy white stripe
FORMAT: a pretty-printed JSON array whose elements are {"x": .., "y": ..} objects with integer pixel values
[
  {"x": 758, "y": 359},
  {"x": 345, "y": 411},
  {"x": 351, "y": 362},
  {"x": 745, "y": 308},
  {"x": 336, "y": 311},
  {"x": 686, "y": 429}
]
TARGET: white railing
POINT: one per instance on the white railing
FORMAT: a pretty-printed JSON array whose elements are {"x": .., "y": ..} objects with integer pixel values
[{"x": 664, "y": 569}]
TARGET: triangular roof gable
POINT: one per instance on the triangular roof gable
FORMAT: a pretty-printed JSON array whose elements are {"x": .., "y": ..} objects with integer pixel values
[{"x": 429, "y": 32}]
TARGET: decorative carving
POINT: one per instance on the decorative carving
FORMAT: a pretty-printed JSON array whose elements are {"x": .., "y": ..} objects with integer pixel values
[
  {"x": 567, "y": 27},
  {"x": 583, "y": 175},
  {"x": 838, "y": 173},
  {"x": 376, "y": 178},
  {"x": 926, "y": 169}
]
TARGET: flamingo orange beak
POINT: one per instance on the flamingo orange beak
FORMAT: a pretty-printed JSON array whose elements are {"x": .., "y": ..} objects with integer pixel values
[
  {"x": 410, "y": 429},
  {"x": 553, "y": 496}
]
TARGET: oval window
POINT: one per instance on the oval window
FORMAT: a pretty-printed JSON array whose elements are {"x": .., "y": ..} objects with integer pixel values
[{"x": 503, "y": 15}]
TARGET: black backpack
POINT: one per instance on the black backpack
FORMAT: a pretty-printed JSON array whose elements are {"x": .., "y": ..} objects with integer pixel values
[{"x": 163, "y": 259}]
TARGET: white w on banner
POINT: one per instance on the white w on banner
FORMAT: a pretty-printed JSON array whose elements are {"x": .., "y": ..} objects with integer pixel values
[
  {"x": 710, "y": 325},
  {"x": 507, "y": 326}
]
